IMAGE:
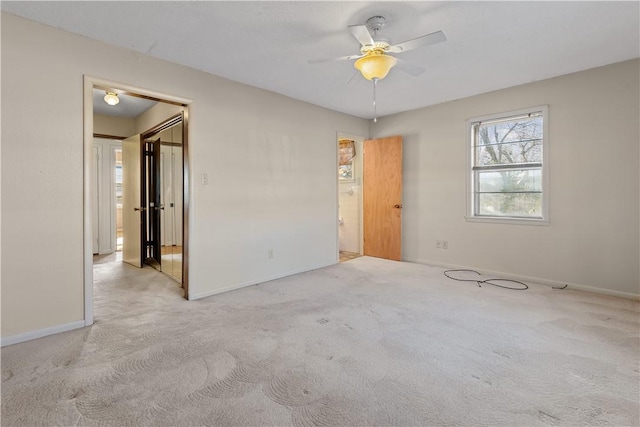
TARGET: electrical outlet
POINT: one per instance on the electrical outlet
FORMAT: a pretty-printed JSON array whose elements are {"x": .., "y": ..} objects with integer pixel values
[
  {"x": 438, "y": 244},
  {"x": 270, "y": 254},
  {"x": 445, "y": 244},
  {"x": 204, "y": 179}
]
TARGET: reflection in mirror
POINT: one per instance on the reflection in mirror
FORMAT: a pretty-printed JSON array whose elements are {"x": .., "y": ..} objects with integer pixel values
[{"x": 171, "y": 199}]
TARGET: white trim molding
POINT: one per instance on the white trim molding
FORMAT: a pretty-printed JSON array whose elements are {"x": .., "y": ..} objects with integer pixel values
[
  {"x": 532, "y": 280},
  {"x": 233, "y": 287},
  {"x": 28, "y": 336}
]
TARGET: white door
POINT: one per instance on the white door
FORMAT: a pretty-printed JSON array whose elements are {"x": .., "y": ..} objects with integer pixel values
[{"x": 131, "y": 206}]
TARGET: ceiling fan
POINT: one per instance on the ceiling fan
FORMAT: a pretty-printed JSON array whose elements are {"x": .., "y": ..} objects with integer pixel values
[{"x": 373, "y": 62}]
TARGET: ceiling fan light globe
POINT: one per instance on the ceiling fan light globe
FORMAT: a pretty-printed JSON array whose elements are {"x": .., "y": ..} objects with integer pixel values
[{"x": 375, "y": 66}]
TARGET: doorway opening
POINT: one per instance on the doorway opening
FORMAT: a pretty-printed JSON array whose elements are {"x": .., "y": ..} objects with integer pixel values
[
  {"x": 160, "y": 178},
  {"x": 369, "y": 197},
  {"x": 350, "y": 211},
  {"x": 106, "y": 198},
  {"x": 117, "y": 171},
  {"x": 146, "y": 197}
]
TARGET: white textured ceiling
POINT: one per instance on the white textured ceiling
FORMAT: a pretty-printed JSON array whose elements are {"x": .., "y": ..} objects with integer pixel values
[{"x": 491, "y": 45}]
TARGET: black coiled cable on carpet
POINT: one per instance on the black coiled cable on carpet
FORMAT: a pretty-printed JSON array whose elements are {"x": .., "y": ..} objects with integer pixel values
[{"x": 487, "y": 281}]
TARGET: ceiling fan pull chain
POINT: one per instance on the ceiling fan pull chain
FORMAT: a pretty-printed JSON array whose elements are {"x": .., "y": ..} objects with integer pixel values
[{"x": 375, "y": 109}]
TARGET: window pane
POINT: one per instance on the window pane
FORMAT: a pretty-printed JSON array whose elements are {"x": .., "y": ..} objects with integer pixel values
[
  {"x": 527, "y": 151},
  {"x": 513, "y": 130},
  {"x": 509, "y": 141},
  {"x": 510, "y": 181},
  {"x": 510, "y": 204},
  {"x": 345, "y": 171}
]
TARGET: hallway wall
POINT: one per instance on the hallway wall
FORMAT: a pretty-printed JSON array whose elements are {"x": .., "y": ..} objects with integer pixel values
[{"x": 113, "y": 126}]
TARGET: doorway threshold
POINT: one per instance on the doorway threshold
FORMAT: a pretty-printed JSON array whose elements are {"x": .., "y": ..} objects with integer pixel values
[{"x": 348, "y": 256}]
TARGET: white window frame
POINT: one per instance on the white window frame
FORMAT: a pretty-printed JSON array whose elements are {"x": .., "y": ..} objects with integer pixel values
[{"x": 471, "y": 194}]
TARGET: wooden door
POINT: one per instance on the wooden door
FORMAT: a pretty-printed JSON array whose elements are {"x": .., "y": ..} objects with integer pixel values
[
  {"x": 382, "y": 197},
  {"x": 132, "y": 209}
]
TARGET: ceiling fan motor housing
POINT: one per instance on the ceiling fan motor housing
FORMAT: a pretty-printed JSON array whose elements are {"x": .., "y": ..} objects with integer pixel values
[
  {"x": 375, "y": 23},
  {"x": 379, "y": 45}
]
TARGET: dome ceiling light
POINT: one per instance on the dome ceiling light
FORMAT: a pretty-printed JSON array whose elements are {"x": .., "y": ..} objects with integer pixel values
[{"x": 111, "y": 98}]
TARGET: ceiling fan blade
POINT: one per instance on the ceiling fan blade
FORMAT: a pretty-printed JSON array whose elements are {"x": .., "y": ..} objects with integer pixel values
[
  {"x": 409, "y": 68},
  {"x": 340, "y": 58},
  {"x": 361, "y": 32},
  {"x": 427, "y": 40}
]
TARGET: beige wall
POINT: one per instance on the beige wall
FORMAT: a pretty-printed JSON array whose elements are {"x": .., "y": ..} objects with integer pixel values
[
  {"x": 113, "y": 126},
  {"x": 271, "y": 163},
  {"x": 593, "y": 237}
]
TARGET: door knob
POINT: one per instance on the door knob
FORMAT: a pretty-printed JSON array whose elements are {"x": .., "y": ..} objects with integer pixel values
[
  {"x": 397, "y": 206},
  {"x": 139, "y": 209}
]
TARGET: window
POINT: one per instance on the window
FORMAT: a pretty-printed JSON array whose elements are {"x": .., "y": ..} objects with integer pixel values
[{"x": 508, "y": 179}]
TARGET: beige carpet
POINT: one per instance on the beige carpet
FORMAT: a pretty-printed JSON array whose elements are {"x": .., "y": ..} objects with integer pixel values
[{"x": 366, "y": 342}]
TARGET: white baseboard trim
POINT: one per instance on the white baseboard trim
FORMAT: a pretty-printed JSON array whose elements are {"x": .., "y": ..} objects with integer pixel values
[
  {"x": 537, "y": 280},
  {"x": 233, "y": 287},
  {"x": 28, "y": 336}
]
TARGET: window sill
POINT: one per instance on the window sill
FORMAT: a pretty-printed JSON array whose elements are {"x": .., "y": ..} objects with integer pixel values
[{"x": 503, "y": 220}]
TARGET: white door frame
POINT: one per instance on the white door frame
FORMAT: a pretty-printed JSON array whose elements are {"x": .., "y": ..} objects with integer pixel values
[{"x": 89, "y": 83}]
